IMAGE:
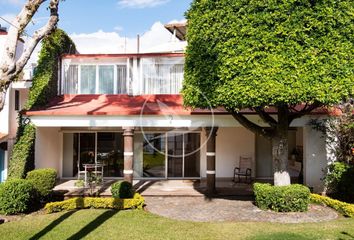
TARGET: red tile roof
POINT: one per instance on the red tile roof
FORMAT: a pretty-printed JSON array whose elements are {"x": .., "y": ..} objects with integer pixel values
[
  {"x": 81, "y": 105},
  {"x": 114, "y": 105}
]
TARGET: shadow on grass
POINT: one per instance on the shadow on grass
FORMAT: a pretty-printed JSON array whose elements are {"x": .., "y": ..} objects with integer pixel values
[
  {"x": 281, "y": 236},
  {"x": 51, "y": 225},
  {"x": 93, "y": 225},
  {"x": 350, "y": 236}
]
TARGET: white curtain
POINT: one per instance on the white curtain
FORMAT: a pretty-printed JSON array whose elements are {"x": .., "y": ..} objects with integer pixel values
[
  {"x": 122, "y": 79},
  {"x": 106, "y": 79},
  {"x": 70, "y": 84},
  {"x": 162, "y": 76},
  {"x": 88, "y": 79}
]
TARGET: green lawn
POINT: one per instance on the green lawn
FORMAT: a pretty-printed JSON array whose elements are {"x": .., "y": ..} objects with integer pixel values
[{"x": 107, "y": 224}]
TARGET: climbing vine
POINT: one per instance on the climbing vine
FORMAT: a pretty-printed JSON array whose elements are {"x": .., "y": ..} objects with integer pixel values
[{"x": 44, "y": 87}]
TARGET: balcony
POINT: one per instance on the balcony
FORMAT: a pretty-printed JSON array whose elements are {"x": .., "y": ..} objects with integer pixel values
[{"x": 133, "y": 74}]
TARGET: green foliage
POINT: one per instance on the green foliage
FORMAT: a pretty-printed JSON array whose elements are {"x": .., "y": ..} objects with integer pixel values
[
  {"x": 16, "y": 196},
  {"x": 44, "y": 88},
  {"x": 344, "y": 208},
  {"x": 292, "y": 198},
  {"x": 244, "y": 54},
  {"x": 340, "y": 181},
  {"x": 137, "y": 202},
  {"x": 22, "y": 159},
  {"x": 122, "y": 189},
  {"x": 339, "y": 133},
  {"x": 45, "y": 79},
  {"x": 43, "y": 180}
]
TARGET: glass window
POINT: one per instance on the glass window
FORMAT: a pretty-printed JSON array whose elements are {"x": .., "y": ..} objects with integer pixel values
[
  {"x": 175, "y": 154},
  {"x": 191, "y": 155},
  {"x": 110, "y": 147},
  {"x": 70, "y": 84},
  {"x": 162, "y": 75},
  {"x": 88, "y": 79},
  {"x": 87, "y": 149},
  {"x": 106, "y": 79},
  {"x": 122, "y": 79},
  {"x": 154, "y": 155}
]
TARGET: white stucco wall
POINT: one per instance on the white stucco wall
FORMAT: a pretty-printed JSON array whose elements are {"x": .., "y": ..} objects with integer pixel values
[
  {"x": 231, "y": 143},
  {"x": 315, "y": 158},
  {"x": 4, "y": 115},
  {"x": 48, "y": 149}
]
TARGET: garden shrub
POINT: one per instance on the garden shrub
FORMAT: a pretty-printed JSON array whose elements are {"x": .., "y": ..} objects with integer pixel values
[
  {"x": 122, "y": 189},
  {"x": 43, "y": 180},
  {"x": 16, "y": 196},
  {"x": 344, "y": 208},
  {"x": 137, "y": 202},
  {"x": 292, "y": 198},
  {"x": 339, "y": 181}
]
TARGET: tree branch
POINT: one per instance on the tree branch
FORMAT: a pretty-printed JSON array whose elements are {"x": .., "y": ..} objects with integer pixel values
[
  {"x": 305, "y": 110},
  {"x": 9, "y": 66},
  {"x": 250, "y": 125},
  {"x": 266, "y": 117},
  {"x": 38, "y": 36}
]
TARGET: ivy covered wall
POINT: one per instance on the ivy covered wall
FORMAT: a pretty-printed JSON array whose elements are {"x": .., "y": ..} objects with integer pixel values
[{"x": 44, "y": 87}]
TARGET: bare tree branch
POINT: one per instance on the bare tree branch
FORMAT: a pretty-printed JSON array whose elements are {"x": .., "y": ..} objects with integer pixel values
[
  {"x": 10, "y": 67},
  {"x": 305, "y": 110}
]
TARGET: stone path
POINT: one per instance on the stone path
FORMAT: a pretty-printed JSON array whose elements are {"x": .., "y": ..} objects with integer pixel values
[{"x": 200, "y": 209}]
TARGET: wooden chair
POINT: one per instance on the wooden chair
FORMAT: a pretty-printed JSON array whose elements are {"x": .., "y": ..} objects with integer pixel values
[{"x": 244, "y": 170}]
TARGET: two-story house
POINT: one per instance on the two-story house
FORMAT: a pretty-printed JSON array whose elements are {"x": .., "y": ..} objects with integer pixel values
[{"x": 124, "y": 111}]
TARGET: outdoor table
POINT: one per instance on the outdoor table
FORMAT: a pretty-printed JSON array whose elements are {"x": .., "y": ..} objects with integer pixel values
[{"x": 93, "y": 167}]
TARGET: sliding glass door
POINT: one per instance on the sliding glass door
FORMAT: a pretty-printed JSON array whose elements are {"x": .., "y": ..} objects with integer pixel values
[
  {"x": 89, "y": 148},
  {"x": 110, "y": 148},
  {"x": 156, "y": 155},
  {"x": 154, "y": 147},
  {"x": 167, "y": 155},
  {"x": 175, "y": 155}
]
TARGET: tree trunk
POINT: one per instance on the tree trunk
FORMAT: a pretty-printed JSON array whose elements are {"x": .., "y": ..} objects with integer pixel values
[
  {"x": 280, "y": 161},
  {"x": 280, "y": 149}
]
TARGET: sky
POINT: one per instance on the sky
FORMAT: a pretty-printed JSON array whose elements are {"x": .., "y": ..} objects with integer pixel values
[{"x": 108, "y": 26}]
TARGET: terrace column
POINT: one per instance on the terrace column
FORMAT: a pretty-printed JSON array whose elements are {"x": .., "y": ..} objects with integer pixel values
[
  {"x": 210, "y": 154},
  {"x": 128, "y": 135}
]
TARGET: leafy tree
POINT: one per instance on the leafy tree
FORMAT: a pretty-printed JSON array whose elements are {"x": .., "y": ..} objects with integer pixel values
[{"x": 292, "y": 56}]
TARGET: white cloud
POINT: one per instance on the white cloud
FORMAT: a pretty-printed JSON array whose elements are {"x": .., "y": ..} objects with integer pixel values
[
  {"x": 178, "y": 21},
  {"x": 141, "y": 3},
  {"x": 156, "y": 39},
  {"x": 118, "y": 28}
]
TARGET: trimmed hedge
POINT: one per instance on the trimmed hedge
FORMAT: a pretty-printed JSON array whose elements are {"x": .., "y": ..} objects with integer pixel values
[
  {"x": 122, "y": 189},
  {"x": 16, "y": 196},
  {"x": 43, "y": 180},
  {"x": 344, "y": 208},
  {"x": 92, "y": 202},
  {"x": 292, "y": 198}
]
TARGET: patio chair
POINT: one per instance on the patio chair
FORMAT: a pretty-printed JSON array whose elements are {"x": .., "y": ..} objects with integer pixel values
[{"x": 244, "y": 170}]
